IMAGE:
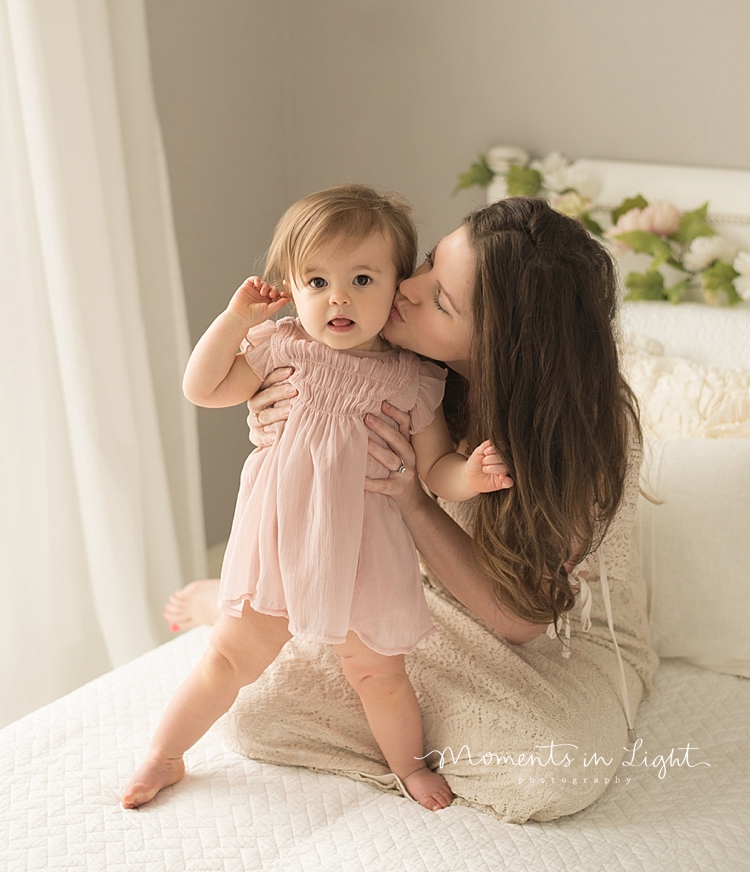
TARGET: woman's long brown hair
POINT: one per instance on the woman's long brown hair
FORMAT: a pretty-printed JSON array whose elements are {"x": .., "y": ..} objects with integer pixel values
[{"x": 545, "y": 387}]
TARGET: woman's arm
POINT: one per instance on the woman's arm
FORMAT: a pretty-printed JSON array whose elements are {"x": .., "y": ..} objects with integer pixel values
[
  {"x": 444, "y": 546},
  {"x": 449, "y": 552}
]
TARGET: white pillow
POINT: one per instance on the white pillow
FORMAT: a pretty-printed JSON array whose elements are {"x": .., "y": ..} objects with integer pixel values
[
  {"x": 695, "y": 551},
  {"x": 682, "y": 399},
  {"x": 695, "y": 541}
]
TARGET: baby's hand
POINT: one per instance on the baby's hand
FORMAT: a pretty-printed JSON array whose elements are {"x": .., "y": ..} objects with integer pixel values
[
  {"x": 255, "y": 301},
  {"x": 485, "y": 471}
]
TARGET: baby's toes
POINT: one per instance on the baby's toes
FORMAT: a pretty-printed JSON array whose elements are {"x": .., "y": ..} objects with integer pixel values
[{"x": 444, "y": 797}]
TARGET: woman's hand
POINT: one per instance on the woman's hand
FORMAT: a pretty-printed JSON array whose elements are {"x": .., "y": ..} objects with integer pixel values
[
  {"x": 271, "y": 404},
  {"x": 402, "y": 486}
]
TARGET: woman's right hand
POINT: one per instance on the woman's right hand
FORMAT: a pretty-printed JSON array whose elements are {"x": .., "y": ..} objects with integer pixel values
[
  {"x": 270, "y": 405},
  {"x": 402, "y": 485}
]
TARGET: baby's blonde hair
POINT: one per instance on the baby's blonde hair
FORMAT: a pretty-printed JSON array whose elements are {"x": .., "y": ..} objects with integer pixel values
[{"x": 350, "y": 212}]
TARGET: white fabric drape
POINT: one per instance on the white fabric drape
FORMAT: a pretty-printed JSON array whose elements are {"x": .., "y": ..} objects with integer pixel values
[{"x": 100, "y": 509}]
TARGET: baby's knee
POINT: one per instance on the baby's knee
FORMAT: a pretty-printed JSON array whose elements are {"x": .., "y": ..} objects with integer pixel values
[
  {"x": 228, "y": 667},
  {"x": 217, "y": 665}
]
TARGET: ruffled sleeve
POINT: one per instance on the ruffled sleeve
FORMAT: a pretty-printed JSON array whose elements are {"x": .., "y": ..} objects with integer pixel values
[
  {"x": 429, "y": 395},
  {"x": 256, "y": 347}
]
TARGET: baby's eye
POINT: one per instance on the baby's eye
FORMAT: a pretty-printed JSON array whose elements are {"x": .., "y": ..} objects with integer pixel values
[
  {"x": 317, "y": 282},
  {"x": 362, "y": 281}
]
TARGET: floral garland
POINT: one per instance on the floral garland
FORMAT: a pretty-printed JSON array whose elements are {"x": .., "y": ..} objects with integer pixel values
[{"x": 683, "y": 241}]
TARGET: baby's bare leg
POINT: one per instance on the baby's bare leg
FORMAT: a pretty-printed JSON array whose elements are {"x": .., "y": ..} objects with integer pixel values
[
  {"x": 240, "y": 649},
  {"x": 393, "y": 714}
]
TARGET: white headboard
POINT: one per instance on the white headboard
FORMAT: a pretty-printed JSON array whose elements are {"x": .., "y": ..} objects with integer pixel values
[
  {"x": 727, "y": 191},
  {"x": 704, "y": 334}
]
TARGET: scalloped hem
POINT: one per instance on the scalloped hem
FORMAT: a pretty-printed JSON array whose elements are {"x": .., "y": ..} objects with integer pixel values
[{"x": 234, "y": 608}]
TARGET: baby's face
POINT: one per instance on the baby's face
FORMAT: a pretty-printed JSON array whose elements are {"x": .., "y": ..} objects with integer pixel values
[{"x": 344, "y": 292}]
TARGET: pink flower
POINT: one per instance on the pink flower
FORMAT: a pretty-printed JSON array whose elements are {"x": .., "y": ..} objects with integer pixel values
[
  {"x": 632, "y": 220},
  {"x": 662, "y": 218}
]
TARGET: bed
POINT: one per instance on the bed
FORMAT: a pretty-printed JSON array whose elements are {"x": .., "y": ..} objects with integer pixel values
[{"x": 680, "y": 800}]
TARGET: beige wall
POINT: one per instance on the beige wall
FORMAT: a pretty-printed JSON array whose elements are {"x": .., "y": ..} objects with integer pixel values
[{"x": 262, "y": 101}]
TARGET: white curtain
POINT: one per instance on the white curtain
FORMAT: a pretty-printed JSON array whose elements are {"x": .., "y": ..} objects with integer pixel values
[{"x": 100, "y": 505}]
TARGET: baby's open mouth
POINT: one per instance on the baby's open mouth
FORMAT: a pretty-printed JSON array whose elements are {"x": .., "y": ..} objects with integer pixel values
[{"x": 340, "y": 322}]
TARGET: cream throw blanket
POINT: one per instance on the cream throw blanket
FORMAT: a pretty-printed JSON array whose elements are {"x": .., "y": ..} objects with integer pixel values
[{"x": 520, "y": 732}]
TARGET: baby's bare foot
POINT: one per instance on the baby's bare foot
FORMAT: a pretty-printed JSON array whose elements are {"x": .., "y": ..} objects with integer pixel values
[
  {"x": 193, "y": 605},
  {"x": 153, "y": 775},
  {"x": 429, "y": 789}
]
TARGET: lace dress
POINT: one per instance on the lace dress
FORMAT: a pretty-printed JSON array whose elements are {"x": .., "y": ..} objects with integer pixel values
[{"x": 520, "y": 731}]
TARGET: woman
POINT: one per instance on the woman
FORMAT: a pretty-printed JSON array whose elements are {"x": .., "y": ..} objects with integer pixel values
[{"x": 520, "y": 303}]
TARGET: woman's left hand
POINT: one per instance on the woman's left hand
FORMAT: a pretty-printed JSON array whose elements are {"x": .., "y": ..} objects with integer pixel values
[{"x": 402, "y": 485}]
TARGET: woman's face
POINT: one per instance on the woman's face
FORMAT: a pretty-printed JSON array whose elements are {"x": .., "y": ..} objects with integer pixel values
[{"x": 431, "y": 312}]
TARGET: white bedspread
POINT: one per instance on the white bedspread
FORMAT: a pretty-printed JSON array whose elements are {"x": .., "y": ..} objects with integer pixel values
[{"x": 63, "y": 769}]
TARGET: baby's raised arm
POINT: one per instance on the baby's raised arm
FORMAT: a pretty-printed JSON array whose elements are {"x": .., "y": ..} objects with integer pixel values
[
  {"x": 216, "y": 374},
  {"x": 451, "y": 475}
]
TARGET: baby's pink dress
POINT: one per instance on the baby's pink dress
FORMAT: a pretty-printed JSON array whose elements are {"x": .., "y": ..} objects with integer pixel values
[{"x": 307, "y": 541}]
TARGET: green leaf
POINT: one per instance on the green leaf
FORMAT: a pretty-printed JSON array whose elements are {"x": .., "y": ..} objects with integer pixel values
[
  {"x": 591, "y": 225},
  {"x": 674, "y": 294},
  {"x": 645, "y": 286},
  {"x": 647, "y": 243},
  {"x": 479, "y": 173},
  {"x": 637, "y": 202},
  {"x": 718, "y": 281},
  {"x": 692, "y": 225},
  {"x": 523, "y": 182}
]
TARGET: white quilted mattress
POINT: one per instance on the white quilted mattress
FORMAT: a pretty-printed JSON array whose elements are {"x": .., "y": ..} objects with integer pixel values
[{"x": 64, "y": 766}]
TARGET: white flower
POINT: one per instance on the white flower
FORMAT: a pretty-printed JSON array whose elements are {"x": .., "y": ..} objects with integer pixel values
[
  {"x": 572, "y": 204},
  {"x": 705, "y": 250},
  {"x": 588, "y": 186},
  {"x": 497, "y": 189},
  {"x": 550, "y": 164},
  {"x": 554, "y": 170},
  {"x": 501, "y": 157},
  {"x": 742, "y": 282},
  {"x": 559, "y": 175}
]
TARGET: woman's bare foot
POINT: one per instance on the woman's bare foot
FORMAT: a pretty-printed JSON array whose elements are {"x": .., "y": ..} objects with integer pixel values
[
  {"x": 153, "y": 775},
  {"x": 429, "y": 789},
  {"x": 194, "y": 604}
]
